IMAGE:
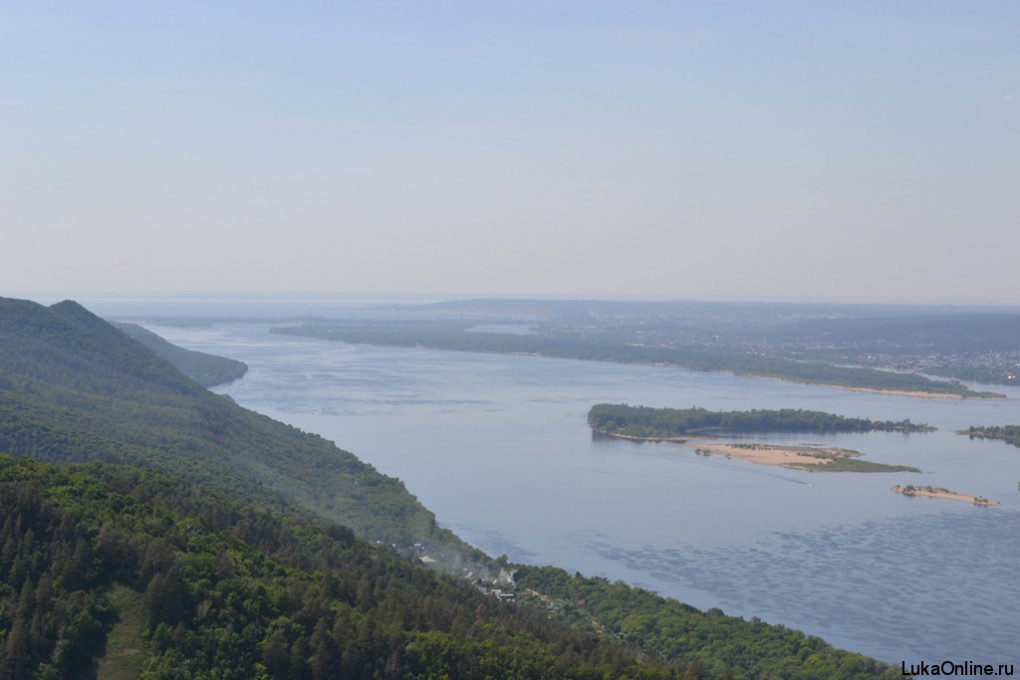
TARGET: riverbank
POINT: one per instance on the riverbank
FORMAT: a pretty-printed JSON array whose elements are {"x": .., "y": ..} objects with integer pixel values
[
  {"x": 937, "y": 492},
  {"x": 453, "y": 336}
]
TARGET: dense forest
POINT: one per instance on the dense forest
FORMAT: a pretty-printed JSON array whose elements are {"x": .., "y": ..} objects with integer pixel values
[
  {"x": 205, "y": 369},
  {"x": 645, "y": 421},
  {"x": 200, "y": 586},
  {"x": 190, "y": 538},
  {"x": 146, "y": 575},
  {"x": 603, "y": 346}
]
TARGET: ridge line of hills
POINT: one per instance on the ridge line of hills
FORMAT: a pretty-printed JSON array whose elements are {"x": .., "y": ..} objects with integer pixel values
[
  {"x": 75, "y": 388},
  {"x": 205, "y": 369}
]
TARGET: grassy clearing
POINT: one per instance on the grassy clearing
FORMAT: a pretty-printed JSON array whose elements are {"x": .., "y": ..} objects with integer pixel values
[{"x": 125, "y": 646}]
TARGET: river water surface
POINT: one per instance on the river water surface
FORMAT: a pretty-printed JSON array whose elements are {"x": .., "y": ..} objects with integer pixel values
[{"x": 499, "y": 448}]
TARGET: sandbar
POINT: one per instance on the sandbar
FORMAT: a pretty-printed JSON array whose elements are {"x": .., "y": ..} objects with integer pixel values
[
  {"x": 782, "y": 455},
  {"x": 798, "y": 456},
  {"x": 932, "y": 492},
  {"x": 904, "y": 393}
]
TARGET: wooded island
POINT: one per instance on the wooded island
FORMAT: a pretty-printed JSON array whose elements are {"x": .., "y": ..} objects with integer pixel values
[
  {"x": 667, "y": 423},
  {"x": 1007, "y": 433},
  {"x": 683, "y": 425}
]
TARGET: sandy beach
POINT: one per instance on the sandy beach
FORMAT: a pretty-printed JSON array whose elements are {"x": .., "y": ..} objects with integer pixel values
[
  {"x": 798, "y": 456},
  {"x": 786, "y": 455},
  {"x": 903, "y": 393}
]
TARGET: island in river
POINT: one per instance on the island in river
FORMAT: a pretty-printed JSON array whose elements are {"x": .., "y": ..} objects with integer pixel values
[
  {"x": 939, "y": 492},
  {"x": 643, "y": 423},
  {"x": 665, "y": 423},
  {"x": 1007, "y": 433}
]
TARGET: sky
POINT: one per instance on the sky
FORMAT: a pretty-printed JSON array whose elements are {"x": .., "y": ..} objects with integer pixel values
[{"x": 864, "y": 151}]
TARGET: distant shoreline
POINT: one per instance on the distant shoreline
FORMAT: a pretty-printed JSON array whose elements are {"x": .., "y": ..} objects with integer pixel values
[{"x": 776, "y": 368}]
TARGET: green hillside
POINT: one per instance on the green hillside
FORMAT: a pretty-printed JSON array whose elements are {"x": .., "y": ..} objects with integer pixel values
[
  {"x": 205, "y": 369},
  {"x": 98, "y": 560},
  {"x": 74, "y": 388},
  {"x": 145, "y": 575}
]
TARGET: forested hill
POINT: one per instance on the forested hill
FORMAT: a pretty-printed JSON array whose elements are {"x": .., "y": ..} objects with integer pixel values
[
  {"x": 137, "y": 574},
  {"x": 74, "y": 388},
  {"x": 71, "y": 349},
  {"x": 205, "y": 369}
]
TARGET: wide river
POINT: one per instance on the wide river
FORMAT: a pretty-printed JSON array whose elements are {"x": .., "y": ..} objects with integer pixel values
[{"x": 498, "y": 447}]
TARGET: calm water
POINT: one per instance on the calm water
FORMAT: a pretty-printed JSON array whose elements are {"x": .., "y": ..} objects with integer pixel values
[{"x": 498, "y": 447}]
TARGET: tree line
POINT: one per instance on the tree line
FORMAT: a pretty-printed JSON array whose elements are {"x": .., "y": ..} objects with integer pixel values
[
  {"x": 645, "y": 421},
  {"x": 1007, "y": 433}
]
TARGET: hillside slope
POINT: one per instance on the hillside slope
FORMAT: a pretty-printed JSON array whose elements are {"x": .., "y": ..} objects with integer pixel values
[
  {"x": 205, "y": 369},
  {"x": 74, "y": 388},
  {"x": 99, "y": 560}
]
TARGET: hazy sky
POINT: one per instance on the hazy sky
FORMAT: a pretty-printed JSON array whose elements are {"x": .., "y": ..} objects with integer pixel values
[{"x": 859, "y": 150}]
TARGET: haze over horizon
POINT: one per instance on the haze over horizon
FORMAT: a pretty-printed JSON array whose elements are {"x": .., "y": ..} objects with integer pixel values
[{"x": 857, "y": 152}]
